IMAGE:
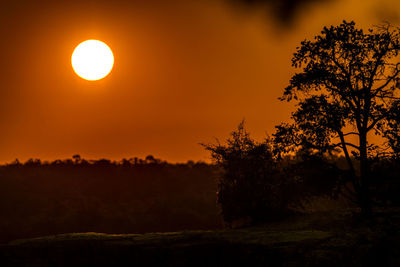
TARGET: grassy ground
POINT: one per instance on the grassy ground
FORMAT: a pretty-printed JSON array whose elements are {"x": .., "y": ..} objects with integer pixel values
[{"x": 330, "y": 239}]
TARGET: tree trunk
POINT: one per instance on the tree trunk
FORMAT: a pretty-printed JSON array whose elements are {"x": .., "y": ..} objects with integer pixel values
[{"x": 364, "y": 196}]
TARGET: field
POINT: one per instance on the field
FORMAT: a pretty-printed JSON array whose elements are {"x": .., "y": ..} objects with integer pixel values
[{"x": 325, "y": 238}]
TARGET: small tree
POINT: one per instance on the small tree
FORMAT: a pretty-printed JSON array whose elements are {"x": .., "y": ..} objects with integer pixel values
[
  {"x": 347, "y": 88},
  {"x": 250, "y": 185}
]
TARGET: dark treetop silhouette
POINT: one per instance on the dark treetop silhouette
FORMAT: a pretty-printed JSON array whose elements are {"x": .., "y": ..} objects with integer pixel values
[
  {"x": 254, "y": 186},
  {"x": 347, "y": 88},
  {"x": 248, "y": 187}
]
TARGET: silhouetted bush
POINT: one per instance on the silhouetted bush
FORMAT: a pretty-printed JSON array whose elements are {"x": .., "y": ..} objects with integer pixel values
[
  {"x": 258, "y": 185},
  {"x": 385, "y": 181},
  {"x": 320, "y": 176},
  {"x": 251, "y": 185}
]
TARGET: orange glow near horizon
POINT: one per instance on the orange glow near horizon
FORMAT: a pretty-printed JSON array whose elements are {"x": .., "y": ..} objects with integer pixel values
[{"x": 188, "y": 72}]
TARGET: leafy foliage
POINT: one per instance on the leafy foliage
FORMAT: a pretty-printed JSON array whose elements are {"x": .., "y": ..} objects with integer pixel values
[
  {"x": 255, "y": 184},
  {"x": 250, "y": 184},
  {"x": 347, "y": 89}
]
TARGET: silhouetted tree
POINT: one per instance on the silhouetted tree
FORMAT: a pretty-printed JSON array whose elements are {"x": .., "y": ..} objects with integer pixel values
[
  {"x": 250, "y": 185},
  {"x": 77, "y": 158},
  {"x": 347, "y": 88}
]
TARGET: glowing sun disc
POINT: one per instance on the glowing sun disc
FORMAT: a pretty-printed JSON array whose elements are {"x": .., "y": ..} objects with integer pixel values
[{"x": 92, "y": 60}]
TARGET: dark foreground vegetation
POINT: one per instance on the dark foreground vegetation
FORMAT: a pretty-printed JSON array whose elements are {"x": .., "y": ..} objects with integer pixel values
[
  {"x": 130, "y": 196},
  {"x": 321, "y": 239}
]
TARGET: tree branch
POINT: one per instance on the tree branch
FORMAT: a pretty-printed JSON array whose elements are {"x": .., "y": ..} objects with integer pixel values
[
  {"x": 374, "y": 122},
  {"x": 388, "y": 80},
  {"x": 351, "y": 133}
]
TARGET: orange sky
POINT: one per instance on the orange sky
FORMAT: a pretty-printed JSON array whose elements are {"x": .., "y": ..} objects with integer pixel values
[{"x": 185, "y": 72}]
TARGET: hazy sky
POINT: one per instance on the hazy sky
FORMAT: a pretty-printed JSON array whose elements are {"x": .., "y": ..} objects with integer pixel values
[{"x": 185, "y": 72}]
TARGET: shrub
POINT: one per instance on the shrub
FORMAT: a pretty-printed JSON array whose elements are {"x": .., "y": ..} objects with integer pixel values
[{"x": 250, "y": 184}]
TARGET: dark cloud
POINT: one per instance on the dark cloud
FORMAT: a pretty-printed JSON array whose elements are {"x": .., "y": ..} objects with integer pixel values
[{"x": 284, "y": 12}]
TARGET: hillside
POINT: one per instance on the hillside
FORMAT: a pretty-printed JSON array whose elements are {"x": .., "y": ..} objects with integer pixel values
[{"x": 306, "y": 240}]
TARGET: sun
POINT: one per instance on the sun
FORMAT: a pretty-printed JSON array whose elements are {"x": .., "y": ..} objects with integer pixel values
[{"x": 92, "y": 60}]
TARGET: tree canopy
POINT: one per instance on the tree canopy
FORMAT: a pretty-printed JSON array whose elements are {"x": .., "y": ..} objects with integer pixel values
[{"x": 346, "y": 91}]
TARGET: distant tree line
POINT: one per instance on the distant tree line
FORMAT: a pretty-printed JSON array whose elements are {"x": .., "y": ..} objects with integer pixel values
[
  {"x": 77, "y": 160},
  {"x": 128, "y": 196}
]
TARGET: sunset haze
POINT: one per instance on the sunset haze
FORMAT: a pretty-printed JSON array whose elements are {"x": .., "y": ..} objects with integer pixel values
[{"x": 185, "y": 72}]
